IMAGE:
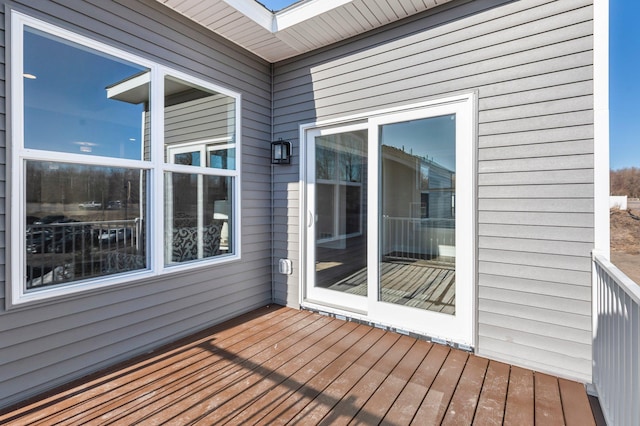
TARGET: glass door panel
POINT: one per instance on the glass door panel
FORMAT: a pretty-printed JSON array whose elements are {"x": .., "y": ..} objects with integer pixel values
[
  {"x": 418, "y": 249},
  {"x": 337, "y": 237},
  {"x": 341, "y": 244}
]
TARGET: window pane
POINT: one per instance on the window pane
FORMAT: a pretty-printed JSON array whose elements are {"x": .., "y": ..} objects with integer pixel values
[
  {"x": 82, "y": 222},
  {"x": 78, "y": 100},
  {"x": 198, "y": 216},
  {"x": 223, "y": 159},
  {"x": 198, "y": 120}
]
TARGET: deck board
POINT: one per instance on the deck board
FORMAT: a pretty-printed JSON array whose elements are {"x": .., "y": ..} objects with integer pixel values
[
  {"x": 575, "y": 404},
  {"x": 337, "y": 393},
  {"x": 278, "y": 365},
  {"x": 490, "y": 411},
  {"x": 383, "y": 398},
  {"x": 409, "y": 400},
  {"x": 548, "y": 406},
  {"x": 463, "y": 405},
  {"x": 289, "y": 382},
  {"x": 435, "y": 403},
  {"x": 520, "y": 398}
]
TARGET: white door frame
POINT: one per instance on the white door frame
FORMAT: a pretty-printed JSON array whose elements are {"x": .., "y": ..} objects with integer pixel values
[{"x": 459, "y": 328}]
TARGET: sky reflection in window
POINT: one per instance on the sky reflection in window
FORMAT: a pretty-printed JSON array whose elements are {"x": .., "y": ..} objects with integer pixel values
[{"x": 66, "y": 108}]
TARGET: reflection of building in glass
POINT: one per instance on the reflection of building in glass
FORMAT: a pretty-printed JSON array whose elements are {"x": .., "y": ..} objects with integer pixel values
[
  {"x": 199, "y": 133},
  {"x": 418, "y": 205},
  {"x": 417, "y": 187}
]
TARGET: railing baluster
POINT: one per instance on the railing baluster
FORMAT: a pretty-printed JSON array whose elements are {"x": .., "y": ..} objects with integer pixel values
[{"x": 616, "y": 346}]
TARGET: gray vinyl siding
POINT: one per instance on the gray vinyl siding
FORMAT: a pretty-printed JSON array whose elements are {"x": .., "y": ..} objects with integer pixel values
[
  {"x": 3, "y": 169},
  {"x": 51, "y": 343},
  {"x": 531, "y": 64}
]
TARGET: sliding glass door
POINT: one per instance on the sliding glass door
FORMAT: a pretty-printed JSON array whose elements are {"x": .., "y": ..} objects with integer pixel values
[{"x": 390, "y": 229}]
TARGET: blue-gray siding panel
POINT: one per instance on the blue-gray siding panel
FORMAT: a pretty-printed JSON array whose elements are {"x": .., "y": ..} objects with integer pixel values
[{"x": 531, "y": 63}]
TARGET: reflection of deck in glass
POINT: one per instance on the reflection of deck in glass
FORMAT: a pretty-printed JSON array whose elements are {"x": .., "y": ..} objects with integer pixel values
[
  {"x": 337, "y": 261},
  {"x": 412, "y": 276},
  {"x": 421, "y": 285}
]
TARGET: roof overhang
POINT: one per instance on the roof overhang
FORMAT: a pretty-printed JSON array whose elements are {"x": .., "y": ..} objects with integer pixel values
[{"x": 299, "y": 28}]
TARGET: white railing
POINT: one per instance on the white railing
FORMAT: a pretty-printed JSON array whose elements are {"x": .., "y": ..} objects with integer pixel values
[{"x": 616, "y": 343}]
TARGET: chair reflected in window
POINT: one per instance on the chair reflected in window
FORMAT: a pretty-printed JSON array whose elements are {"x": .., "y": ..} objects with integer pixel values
[{"x": 185, "y": 242}]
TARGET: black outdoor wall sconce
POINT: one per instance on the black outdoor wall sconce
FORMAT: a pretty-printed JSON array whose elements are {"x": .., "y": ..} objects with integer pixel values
[{"x": 281, "y": 152}]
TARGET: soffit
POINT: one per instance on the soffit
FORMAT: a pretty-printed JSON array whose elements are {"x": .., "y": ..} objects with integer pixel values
[{"x": 300, "y": 28}]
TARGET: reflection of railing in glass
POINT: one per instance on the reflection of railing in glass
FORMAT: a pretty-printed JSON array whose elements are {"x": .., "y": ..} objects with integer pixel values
[
  {"x": 72, "y": 251},
  {"x": 418, "y": 239}
]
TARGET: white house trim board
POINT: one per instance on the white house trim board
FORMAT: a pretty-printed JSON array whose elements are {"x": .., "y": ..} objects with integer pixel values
[{"x": 601, "y": 126}]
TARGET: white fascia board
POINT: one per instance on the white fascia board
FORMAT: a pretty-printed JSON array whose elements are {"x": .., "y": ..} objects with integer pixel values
[
  {"x": 303, "y": 11},
  {"x": 254, "y": 11}
]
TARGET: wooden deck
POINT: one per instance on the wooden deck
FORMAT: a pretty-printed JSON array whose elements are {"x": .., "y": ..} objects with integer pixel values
[{"x": 283, "y": 366}]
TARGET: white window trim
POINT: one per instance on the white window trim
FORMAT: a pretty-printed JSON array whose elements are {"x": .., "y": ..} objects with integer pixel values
[{"x": 17, "y": 295}]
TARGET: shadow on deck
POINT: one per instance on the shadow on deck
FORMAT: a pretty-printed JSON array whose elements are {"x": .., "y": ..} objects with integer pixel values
[{"x": 278, "y": 365}]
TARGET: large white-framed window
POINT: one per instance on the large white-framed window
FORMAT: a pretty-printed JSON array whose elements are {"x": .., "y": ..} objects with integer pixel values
[{"x": 120, "y": 168}]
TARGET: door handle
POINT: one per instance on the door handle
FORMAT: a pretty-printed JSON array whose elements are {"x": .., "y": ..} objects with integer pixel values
[{"x": 310, "y": 222}]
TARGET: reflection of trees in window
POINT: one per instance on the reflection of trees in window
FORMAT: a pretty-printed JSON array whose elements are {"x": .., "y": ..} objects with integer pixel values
[
  {"x": 50, "y": 182},
  {"x": 187, "y": 159},
  {"x": 82, "y": 221},
  {"x": 345, "y": 150},
  {"x": 325, "y": 161},
  {"x": 340, "y": 167},
  {"x": 351, "y": 154}
]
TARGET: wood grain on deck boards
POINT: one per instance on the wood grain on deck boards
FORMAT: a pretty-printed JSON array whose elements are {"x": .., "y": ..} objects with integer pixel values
[
  {"x": 278, "y": 366},
  {"x": 407, "y": 403},
  {"x": 463, "y": 404},
  {"x": 548, "y": 406},
  {"x": 520, "y": 401},
  {"x": 575, "y": 404},
  {"x": 493, "y": 396}
]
